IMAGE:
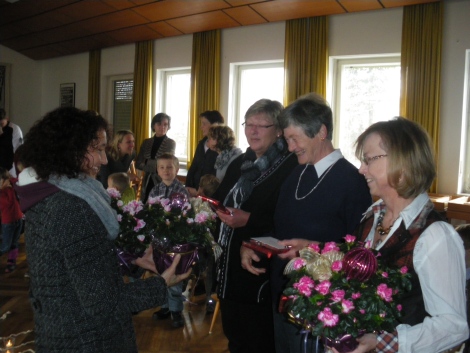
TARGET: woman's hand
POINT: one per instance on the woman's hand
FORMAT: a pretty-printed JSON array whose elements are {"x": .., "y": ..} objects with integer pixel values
[
  {"x": 239, "y": 218},
  {"x": 248, "y": 256},
  {"x": 169, "y": 274},
  {"x": 295, "y": 246},
  {"x": 146, "y": 261},
  {"x": 367, "y": 343}
]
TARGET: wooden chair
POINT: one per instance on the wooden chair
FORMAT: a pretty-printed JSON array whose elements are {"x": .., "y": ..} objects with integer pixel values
[
  {"x": 137, "y": 185},
  {"x": 216, "y": 311}
]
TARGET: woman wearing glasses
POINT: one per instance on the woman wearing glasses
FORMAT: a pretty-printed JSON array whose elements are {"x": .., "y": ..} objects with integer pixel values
[
  {"x": 398, "y": 165},
  {"x": 322, "y": 200},
  {"x": 256, "y": 177}
]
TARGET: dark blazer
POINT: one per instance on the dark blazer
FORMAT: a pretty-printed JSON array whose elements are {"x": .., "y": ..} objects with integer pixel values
[{"x": 202, "y": 164}]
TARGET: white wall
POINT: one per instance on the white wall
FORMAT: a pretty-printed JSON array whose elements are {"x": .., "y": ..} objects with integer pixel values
[
  {"x": 35, "y": 85},
  {"x": 25, "y": 88}
]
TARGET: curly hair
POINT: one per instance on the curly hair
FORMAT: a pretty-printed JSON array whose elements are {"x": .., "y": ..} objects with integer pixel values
[
  {"x": 113, "y": 149},
  {"x": 223, "y": 135},
  {"x": 58, "y": 143}
]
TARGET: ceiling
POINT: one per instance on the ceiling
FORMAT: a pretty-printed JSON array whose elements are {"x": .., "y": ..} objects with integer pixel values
[{"x": 44, "y": 29}]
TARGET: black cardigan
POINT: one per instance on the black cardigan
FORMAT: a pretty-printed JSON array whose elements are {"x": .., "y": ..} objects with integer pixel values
[{"x": 202, "y": 164}]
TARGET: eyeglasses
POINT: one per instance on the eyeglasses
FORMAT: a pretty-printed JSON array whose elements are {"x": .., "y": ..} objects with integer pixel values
[
  {"x": 367, "y": 160},
  {"x": 253, "y": 126}
]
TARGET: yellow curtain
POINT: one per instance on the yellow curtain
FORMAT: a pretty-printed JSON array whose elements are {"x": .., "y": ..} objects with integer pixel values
[
  {"x": 94, "y": 73},
  {"x": 305, "y": 57},
  {"x": 205, "y": 82},
  {"x": 421, "y": 68},
  {"x": 142, "y": 94}
]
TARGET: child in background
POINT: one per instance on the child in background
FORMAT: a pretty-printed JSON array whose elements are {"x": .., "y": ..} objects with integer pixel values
[
  {"x": 12, "y": 219},
  {"x": 207, "y": 185},
  {"x": 121, "y": 182},
  {"x": 167, "y": 170}
]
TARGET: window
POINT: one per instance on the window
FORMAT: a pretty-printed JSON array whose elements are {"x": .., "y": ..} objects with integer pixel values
[
  {"x": 249, "y": 83},
  {"x": 120, "y": 104},
  {"x": 365, "y": 91},
  {"x": 464, "y": 170},
  {"x": 173, "y": 98}
]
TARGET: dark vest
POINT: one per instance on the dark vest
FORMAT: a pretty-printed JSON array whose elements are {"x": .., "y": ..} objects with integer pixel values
[{"x": 398, "y": 252}]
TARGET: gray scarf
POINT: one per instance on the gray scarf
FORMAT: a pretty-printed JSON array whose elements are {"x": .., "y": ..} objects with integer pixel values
[{"x": 91, "y": 191}]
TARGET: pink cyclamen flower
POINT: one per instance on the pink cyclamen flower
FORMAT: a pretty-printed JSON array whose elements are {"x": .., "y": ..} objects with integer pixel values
[
  {"x": 384, "y": 292},
  {"x": 120, "y": 203},
  {"x": 347, "y": 306},
  {"x": 153, "y": 200},
  {"x": 314, "y": 246},
  {"x": 399, "y": 307},
  {"x": 140, "y": 224},
  {"x": 337, "y": 295},
  {"x": 119, "y": 217},
  {"x": 141, "y": 237},
  {"x": 382, "y": 314},
  {"x": 201, "y": 217},
  {"x": 385, "y": 274},
  {"x": 114, "y": 193},
  {"x": 330, "y": 246},
  {"x": 404, "y": 270},
  {"x": 356, "y": 295},
  {"x": 337, "y": 266},
  {"x": 305, "y": 286},
  {"x": 299, "y": 263},
  {"x": 323, "y": 287},
  {"x": 368, "y": 244},
  {"x": 190, "y": 221},
  {"x": 167, "y": 222},
  {"x": 167, "y": 208},
  {"x": 328, "y": 318},
  {"x": 164, "y": 202},
  {"x": 362, "y": 311},
  {"x": 349, "y": 238}
]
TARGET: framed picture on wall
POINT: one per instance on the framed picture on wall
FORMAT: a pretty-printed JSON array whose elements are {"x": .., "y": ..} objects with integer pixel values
[
  {"x": 67, "y": 94},
  {"x": 5, "y": 86}
]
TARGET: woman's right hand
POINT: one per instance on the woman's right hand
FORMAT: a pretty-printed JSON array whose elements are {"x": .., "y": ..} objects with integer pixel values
[
  {"x": 238, "y": 218},
  {"x": 169, "y": 274},
  {"x": 247, "y": 257},
  {"x": 367, "y": 343}
]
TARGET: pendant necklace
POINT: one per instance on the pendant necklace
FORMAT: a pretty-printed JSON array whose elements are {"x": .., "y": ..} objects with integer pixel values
[{"x": 300, "y": 178}]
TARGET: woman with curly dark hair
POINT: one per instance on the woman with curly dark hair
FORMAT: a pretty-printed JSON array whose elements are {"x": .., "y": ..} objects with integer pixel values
[
  {"x": 79, "y": 299},
  {"x": 222, "y": 140}
]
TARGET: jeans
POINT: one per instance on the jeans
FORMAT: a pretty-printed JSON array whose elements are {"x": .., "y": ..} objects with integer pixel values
[
  {"x": 11, "y": 234},
  {"x": 175, "y": 298}
]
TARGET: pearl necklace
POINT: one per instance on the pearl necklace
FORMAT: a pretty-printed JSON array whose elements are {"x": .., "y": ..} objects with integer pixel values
[{"x": 300, "y": 177}]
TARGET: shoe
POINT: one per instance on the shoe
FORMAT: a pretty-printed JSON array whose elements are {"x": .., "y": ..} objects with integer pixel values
[
  {"x": 210, "y": 306},
  {"x": 162, "y": 314},
  {"x": 177, "y": 318}
]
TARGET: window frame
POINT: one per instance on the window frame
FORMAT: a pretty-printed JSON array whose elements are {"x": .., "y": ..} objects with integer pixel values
[
  {"x": 161, "y": 97},
  {"x": 235, "y": 116},
  {"x": 336, "y": 64},
  {"x": 464, "y": 159}
]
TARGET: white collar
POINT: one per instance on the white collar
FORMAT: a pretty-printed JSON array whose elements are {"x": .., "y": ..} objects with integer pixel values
[{"x": 327, "y": 161}]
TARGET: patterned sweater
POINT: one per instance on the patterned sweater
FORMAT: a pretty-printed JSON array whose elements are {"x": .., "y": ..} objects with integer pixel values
[{"x": 79, "y": 299}]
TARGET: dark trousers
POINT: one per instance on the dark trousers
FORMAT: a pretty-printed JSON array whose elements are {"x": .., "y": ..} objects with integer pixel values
[{"x": 248, "y": 327}]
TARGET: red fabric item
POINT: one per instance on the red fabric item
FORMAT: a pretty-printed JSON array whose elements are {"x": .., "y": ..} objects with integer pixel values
[
  {"x": 9, "y": 205},
  {"x": 387, "y": 342}
]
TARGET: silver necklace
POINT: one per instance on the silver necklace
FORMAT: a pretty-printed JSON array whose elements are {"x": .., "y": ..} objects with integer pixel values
[{"x": 321, "y": 179}]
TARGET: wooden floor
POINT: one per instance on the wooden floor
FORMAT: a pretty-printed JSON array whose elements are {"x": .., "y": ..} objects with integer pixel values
[{"x": 152, "y": 336}]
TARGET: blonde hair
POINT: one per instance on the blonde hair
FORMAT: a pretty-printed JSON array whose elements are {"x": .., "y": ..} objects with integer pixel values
[
  {"x": 121, "y": 181},
  {"x": 113, "y": 148},
  {"x": 411, "y": 159},
  {"x": 170, "y": 157}
]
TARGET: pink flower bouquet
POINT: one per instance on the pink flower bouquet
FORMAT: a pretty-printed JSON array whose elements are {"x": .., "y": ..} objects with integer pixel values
[
  {"x": 341, "y": 291},
  {"x": 166, "y": 223}
]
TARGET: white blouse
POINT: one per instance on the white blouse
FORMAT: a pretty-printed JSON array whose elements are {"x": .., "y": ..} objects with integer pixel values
[{"x": 439, "y": 261}]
